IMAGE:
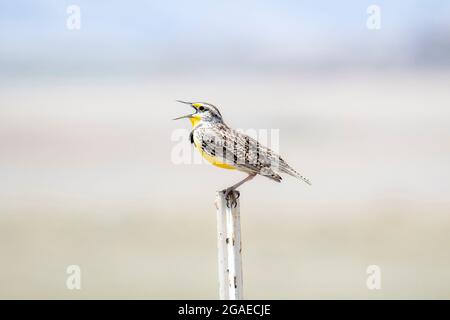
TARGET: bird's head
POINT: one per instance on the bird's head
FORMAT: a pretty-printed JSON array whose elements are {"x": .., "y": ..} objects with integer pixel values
[{"x": 204, "y": 112}]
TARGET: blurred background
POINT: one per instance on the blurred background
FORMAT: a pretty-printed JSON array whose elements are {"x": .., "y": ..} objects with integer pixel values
[{"x": 86, "y": 170}]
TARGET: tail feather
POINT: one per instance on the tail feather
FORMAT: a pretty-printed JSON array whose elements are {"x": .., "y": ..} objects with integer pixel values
[
  {"x": 269, "y": 173},
  {"x": 294, "y": 173},
  {"x": 284, "y": 167}
]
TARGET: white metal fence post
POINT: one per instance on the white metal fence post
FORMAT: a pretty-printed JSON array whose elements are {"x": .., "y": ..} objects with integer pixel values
[{"x": 229, "y": 249}]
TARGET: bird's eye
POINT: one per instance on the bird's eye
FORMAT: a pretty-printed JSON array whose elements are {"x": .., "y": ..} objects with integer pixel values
[{"x": 202, "y": 108}]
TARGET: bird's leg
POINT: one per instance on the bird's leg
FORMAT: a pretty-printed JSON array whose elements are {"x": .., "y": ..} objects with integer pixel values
[{"x": 231, "y": 194}]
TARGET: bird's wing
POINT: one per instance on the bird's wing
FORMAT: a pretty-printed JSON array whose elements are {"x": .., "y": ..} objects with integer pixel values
[
  {"x": 243, "y": 152},
  {"x": 268, "y": 162},
  {"x": 237, "y": 149}
]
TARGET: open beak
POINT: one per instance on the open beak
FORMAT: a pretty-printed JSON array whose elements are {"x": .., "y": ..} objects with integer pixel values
[{"x": 189, "y": 115}]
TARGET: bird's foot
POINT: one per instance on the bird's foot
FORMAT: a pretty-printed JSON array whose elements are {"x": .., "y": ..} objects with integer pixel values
[{"x": 231, "y": 196}]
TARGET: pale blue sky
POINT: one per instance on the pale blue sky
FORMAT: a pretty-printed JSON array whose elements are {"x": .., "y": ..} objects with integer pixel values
[{"x": 163, "y": 36}]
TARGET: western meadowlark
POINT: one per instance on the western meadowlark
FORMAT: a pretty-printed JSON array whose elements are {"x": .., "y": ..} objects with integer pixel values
[{"x": 229, "y": 149}]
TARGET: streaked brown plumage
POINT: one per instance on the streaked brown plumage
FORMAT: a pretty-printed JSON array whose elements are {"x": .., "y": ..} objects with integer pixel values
[{"x": 242, "y": 152}]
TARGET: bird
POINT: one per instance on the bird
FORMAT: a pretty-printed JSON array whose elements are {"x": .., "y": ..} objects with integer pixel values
[{"x": 227, "y": 148}]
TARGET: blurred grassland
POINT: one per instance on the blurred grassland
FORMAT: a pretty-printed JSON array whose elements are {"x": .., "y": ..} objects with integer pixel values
[
  {"x": 139, "y": 254},
  {"x": 86, "y": 178}
]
